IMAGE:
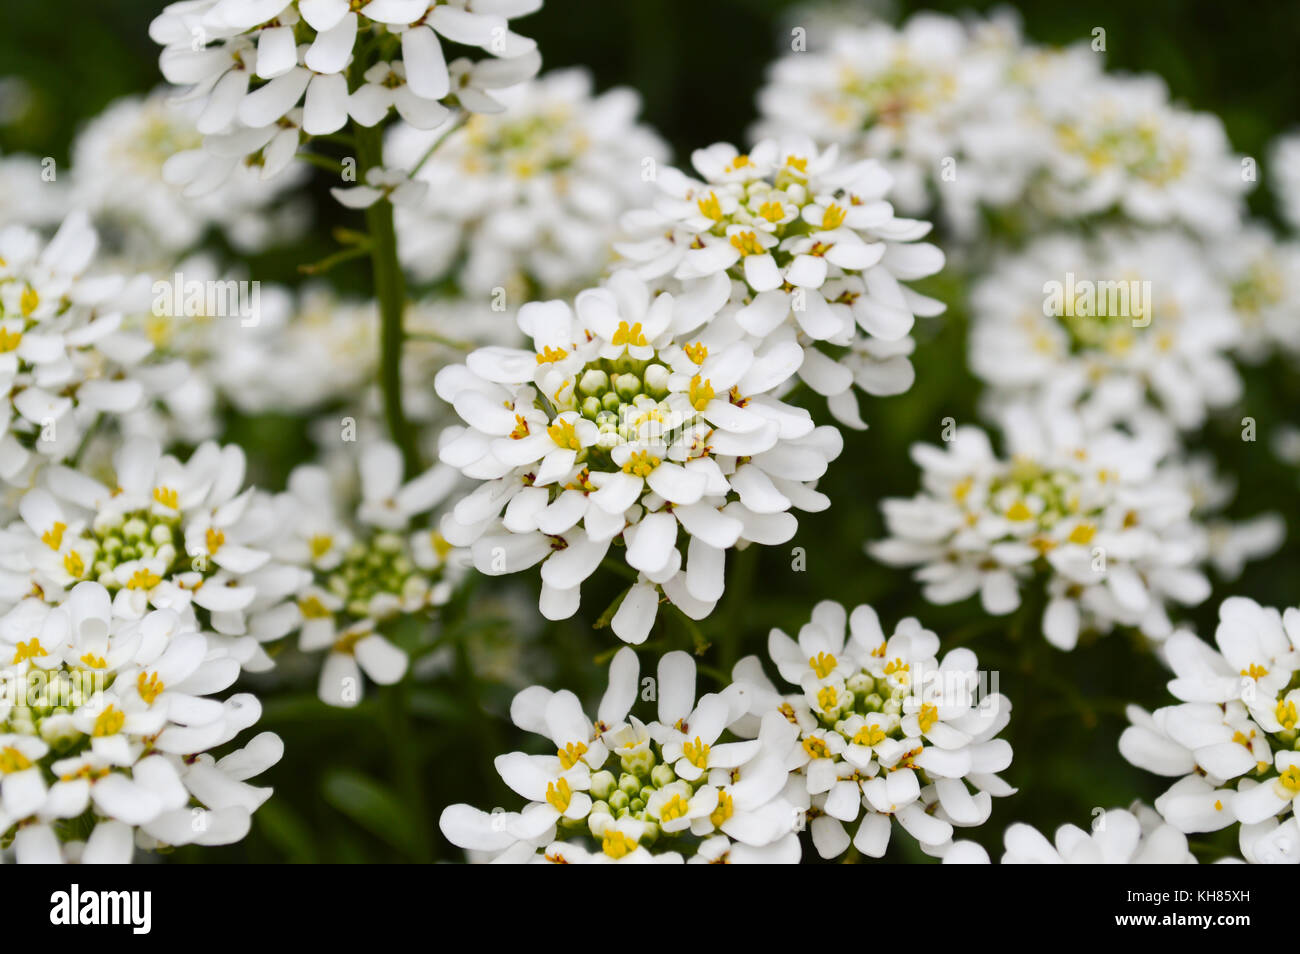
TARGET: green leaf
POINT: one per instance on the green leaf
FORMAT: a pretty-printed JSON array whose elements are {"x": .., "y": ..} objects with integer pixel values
[{"x": 373, "y": 807}]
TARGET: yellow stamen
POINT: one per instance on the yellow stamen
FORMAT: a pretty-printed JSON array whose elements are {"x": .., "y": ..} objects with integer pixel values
[
  {"x": 550, "y": 355},
  {"x": 149, "y": 688},
  {"x": 571, "y": 754},
  {"x": 166, "y": 496},
  {"x": 823, "y": 664},
  {"x": 558, "y": 794},
  {"x": 746, "y": 243},
  {"x": 701, "y": 393},
  {"x": 143, "y": 579},
  {"x": 833, "y": 217},
  {"x": 110, "y": 722},
  {"x": 640, "y": 464},
  {"x": 29, "y": 650},
  {"x": 629, "y": 335},
  {"x": 214, "y": 539},
  {"x": 565, "y": 435},
  {"x": 710, "y": 208},
  {"x": 53, "y": 537}
]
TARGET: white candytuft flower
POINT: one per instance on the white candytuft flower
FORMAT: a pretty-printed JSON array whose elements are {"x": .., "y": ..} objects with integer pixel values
[
  {"x": 1285, "y": 179},
  {"x": 162, "y": 534},
  {"x": 1262, "y": 274},
  {"x": 879, "y": 731},
  {"x": 1119, "y": 144},
  {"x": 117, "y": 177},
  {"x": 933, "y": 100},
  {"x": 622, "y": 790},
  {"x": 107, "y": 728},
  {"x": 1231, "y": 742},
  {"x": 251, "y": 63},
  {"x": 1119, "y": 328},
  {"x": 620, "y": 424},
  {"x": 367, "y": 567},
  {"x": 65, "y": 355},
  {"x": 1100, "y": 521},
  {"x": 806, "y": 250},
  {"x": 1134, "y": 836},
  {"x": 529, "y": 198}
]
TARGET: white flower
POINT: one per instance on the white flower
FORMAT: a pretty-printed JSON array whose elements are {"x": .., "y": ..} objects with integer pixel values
[
  {"x": 804, "y": 247},
  {"x": 1285, "y": 180},
  {"x": 392, "y": 184},
  {"x": 243, "y": 60},
  {"x": 65, "y": 357},
  {"x": 1118, "y": 143},
  {"x": 365, "y": 570},
  {"x": 185, "y": 537},
  {"x": 1231, "y": 740},
  {"x": 530, "y": 197},
  {"x": 880, "y": 729},
  {"x": 1262, "y": 274},
  {"x": 1117, "y": 837},
  {"x": 621, "y": 422},
  {"x": 1119, "y": 328},
  {"x": 932, "y": 99},
  {"x": 1099, "y": 519},
  {"x": 676, "y": 796},
  {"x": 111, "y": 720},
  {"x": 117, "y": 177}
]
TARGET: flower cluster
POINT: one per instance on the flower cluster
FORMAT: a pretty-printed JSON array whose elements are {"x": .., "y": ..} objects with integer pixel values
[
  {"x": 366, "y": 568},
  {"x": 973, "y": 118},
  {"x": 252, "y": 63},
  {"x": 1135, "y": 836},
  {"x": 1117, "y": 328},
  {"x": 66, "y": 356},
  {"x": 118, "y": 178},
  {"x": 804, "y": 249},
  {"x": 527, "y": 200},
  {"x": 880, "y": 730},
  {"x": 106, "y": 729},
  {"x": 1101, "y": 517},
  {"x": 623, "y": 425},
  {"x": 162, "y": 534},
  {"x": 1230, "y": 741},
  {"x": 620, "y": 790}
]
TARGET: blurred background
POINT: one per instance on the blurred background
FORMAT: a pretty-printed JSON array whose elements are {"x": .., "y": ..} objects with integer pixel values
[{"x": 368, "y": 784}]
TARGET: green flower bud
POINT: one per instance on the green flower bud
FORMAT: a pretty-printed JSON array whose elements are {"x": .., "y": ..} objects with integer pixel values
[
  {"x": 656, "y": 381},
  {"x": 662, "y": 775},
  {"x": 628, "y": 386},
  {"x": 591, "y": 408},
  {"x": 629, "y": 785},
  {"x": 611, "y": 401},
  {"x": 618, "y": 801},
  {"x": 639, "y": 764},
  {"x": 593, "y": 382},
  {"x": 602, "y": 783}
]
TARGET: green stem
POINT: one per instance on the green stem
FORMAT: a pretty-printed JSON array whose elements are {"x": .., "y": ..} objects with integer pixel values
[{"x": 390, "y": 290}]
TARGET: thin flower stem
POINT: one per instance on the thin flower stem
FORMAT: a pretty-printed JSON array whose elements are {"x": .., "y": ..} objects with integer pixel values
[
  {"x": 456, "y": 123},
  {"x": 390, "y": 290},
  {"x": 321, "y": 162}
]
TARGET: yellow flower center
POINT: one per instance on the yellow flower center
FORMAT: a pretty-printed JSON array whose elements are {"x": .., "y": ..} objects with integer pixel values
[
  {"x": 550, "y": 355},
  {"x": 320, "y": 544},
  {"x": 109, "y": 722},
  {"x": 640, "y": 464},
  {"x": 1291, "y": 779},
  {"x": 1255, "y": 671},
  {"x": 701, "y": 393},
  {"x": 928, "y": 717},
  {"x": 558, "y": 794},
  {"x": 571, "y": 753},
  {"x": 9, "y": 340},
  {"x": 1018, "y": 511},
  {"x": 29, "y": 301},
  {"x": 726, "y": 808},
  {"x": 869, "y": 735},
  {"x": 313, "y": 608},
  {"x": 697, "y": 753},
  {"x": 11, "y": 760},
  {"x": 94, "y": 662},
  {"x": 772, "y": 211},
  {"x": 1083, "y": 533},
  {"x": 629, "y": 335},
  {"x": 616, "y": 844},
  {"x": 29, "y": 650},
  {"x": 143, "y": 579},
  {"x": 823, "y": 664},
  {"x": 697, "y": 352},
  {"x": 166, "y": 497},
  {"x": 676, "y": 807},
  {"x": 816, "y": 747},
  {"x": 1286, "y": 714},
  {"x": 150, "y": 688},
  {"x": 521, "y": 428},
  {"x": 740, "y": 162},
  {"x": 710, "y": 208},
  {"x": 214, "y": 539},
  {"x": 73, "y": 563},
  {"x": 827, "y": 698},
  {"x": 53, "y": 537},
  {"x": 833, "y": 217},
  {"x": 565, "y": 435},
  {"x": 746, "y": 243}
]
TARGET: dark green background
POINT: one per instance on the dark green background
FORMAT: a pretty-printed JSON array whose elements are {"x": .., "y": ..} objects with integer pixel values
[{"x": 368, "y": 784}]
